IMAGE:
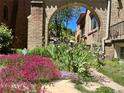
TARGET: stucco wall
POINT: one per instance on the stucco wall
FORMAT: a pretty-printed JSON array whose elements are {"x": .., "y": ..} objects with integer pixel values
[
  {"x": 117, "y": 11},
  {"x": 117, "y": 15}
]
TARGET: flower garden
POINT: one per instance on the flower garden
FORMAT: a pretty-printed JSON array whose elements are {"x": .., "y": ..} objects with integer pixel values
[
  {"x": 22, "y": 73},
  {"x": 27, "y": 71}
]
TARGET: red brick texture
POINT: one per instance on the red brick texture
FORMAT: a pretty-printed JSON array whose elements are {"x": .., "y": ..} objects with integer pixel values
[{"x": 17, "y": 20}]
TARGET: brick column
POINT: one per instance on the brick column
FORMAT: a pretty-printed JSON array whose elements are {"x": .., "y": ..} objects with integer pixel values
[{"x": 35, "y": 25}]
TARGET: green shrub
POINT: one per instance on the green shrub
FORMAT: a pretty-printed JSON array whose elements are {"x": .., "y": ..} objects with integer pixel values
[
  {"x": 18, "y": 51},
  {"x": 40, "y": 51},
  {"x": 112, "y": 63},
  {"x": 105, "y": 90},
  {"x": 5, "y": 39},
  {"x": 76, "y": 59},
  {"x": 99, "y": 90},
  {"x": 115, "y": 59}
]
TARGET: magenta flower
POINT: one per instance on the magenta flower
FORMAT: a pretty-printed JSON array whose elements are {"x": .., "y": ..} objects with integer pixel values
[{"x": 20, "y": 76}]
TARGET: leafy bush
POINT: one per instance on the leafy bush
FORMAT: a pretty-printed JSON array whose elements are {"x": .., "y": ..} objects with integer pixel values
[
  {"x": 5, "y": 39},
  {"x": 18, "y": 51},
  {"x": 115, "y": 59},
  {"x": 111, "y": 63},
  {"x": 33, "y": 69},
  {"x": 77, "y": 58},
  {"x": 40, "y": 51}
]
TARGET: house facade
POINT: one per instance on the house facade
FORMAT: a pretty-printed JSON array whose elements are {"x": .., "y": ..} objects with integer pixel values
[
  {"x": 29, "y": 20},
  {"x": 89, "y": 29},
  {"x": 113, "y": 46}
]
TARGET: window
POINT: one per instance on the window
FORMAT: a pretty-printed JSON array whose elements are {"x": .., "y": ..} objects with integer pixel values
[
  {"x": 94, "y": 23},
  {"x": 122, "y": 53},
  {"x": 5, "y": 12}
]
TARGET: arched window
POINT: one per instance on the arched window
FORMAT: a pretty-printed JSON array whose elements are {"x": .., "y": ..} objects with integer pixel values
[
  {"x": 94, "y": 23},
  {"x": 5, "y": 12}
]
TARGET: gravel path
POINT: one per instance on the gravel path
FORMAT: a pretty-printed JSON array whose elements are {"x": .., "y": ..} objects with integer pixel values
[
  {"x": 62, "y": 86},
  {"x": 66, "y": 86}
]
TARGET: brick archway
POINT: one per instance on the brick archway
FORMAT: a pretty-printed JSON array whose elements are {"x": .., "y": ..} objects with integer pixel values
[{"x": 42, "y": 11}]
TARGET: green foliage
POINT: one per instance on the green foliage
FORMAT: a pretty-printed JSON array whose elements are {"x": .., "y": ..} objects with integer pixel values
[
  {"x": 4, "y": 62},
  {"x": 99, "y": 90},
  {"x": 114, "y": 70},
  {"x": 18, "y": 51},
  {"x": 53, "y": 51},
  {"x": 77, "y": 58},
  {"x": 67, "y": 35},
  {"x": 5, "y": 38},
  {"x": 60, "y": 19},
  {"x": 105, "y": 90},
  {"x": 65, "y": 14},
  {"x": 115, "y": 59},
  {"x": 40, "y": 51},
  {"x": 111, "y": 63}
]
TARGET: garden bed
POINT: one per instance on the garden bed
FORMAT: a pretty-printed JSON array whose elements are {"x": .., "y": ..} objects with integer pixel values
[{"x": 26, "y": 71}]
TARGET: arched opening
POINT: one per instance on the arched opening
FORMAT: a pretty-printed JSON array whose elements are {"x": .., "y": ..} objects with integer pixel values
[
  {"x": 47, "y": 8},
  {"x": 87, "y": 24}
]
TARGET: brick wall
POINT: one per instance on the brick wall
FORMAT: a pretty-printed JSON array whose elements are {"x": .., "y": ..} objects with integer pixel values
[
  {"x": 0, "y": 10},
  {"x": 30, "y": 31},
  {"x": 9, "y": 4},
  {"x": 21, "y": 30},
  {"x": 35, "y": 25},
  {"x": 117, "y": 11},
  {"x": 117, "y": 15},
  {"x": 18, "y": 23}
]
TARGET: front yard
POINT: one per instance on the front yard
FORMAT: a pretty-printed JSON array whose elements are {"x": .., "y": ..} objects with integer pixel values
[{"x": 32, "y": 71}]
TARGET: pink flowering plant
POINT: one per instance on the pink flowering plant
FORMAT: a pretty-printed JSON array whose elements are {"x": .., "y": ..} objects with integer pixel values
[
  {"x": 10, "y": 59},
  {"x": 20, "y": 77}
]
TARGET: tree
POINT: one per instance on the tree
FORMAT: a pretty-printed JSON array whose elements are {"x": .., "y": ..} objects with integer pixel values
[
  {"x": 69, "y": 13},
  {"x": 5, "y": 38},
  {"x": 61, "y": 18}
]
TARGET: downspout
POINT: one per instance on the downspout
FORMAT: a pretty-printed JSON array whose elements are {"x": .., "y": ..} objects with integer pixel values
[{"x": 107, "y": 26}]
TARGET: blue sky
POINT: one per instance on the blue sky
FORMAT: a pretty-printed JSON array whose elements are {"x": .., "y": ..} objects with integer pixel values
[{"x": 72, "y": 23}]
